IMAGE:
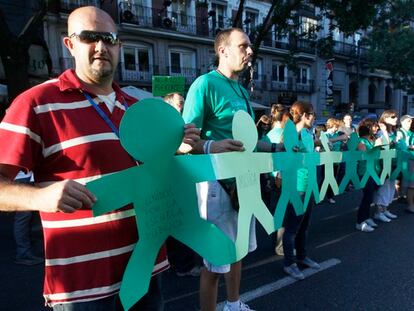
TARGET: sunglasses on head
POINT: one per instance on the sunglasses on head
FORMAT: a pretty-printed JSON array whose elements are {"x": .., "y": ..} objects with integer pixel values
[{"x": 88, "y": 36}]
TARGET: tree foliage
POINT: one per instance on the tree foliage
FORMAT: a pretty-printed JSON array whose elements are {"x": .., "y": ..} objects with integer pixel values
[
  {"x": 283, "y": 18},
  {"x": 391, "y": 42}
]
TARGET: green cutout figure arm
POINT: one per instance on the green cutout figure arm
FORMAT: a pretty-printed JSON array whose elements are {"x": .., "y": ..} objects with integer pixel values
[{"x": 110, "y": 199}]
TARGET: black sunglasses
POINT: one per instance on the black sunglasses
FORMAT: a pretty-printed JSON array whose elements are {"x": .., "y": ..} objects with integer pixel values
[{"x": 88, "y": 36}]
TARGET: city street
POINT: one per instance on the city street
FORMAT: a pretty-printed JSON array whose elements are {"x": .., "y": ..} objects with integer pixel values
[{"x": 360, "y": 271}]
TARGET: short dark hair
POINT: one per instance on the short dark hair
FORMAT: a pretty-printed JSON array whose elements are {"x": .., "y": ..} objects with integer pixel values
[{"x": 223, "y": 38}]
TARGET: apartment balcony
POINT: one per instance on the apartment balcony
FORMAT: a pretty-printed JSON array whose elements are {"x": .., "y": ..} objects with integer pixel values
[
  {"x": 307, "y": 46},
  {"x": 350, "y": 50},
  {"x": 143, "y": 75},
  {"x": 286, "y": 85},
  {"x": 156, "y": 18},
  {"x": 190, "y": 74},
  {"x": 260, "y": 82},
  {"x": 68, "y": 6},
  {"x": 308, "y": 87}
]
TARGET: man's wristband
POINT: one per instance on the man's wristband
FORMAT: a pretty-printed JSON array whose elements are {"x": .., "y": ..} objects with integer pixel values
[{"x": 206, "y": 146}]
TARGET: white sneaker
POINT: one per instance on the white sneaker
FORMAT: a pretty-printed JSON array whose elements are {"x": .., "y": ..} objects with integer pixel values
[
  {"x": 332, "y": 201},
  {"x": 242, "y": 307},
  {"x": 364, "y": 227},
  {"x": 390, "y": 215},
  {"x": 371, "y": 223},
  {"x": 381, "y": 217}
]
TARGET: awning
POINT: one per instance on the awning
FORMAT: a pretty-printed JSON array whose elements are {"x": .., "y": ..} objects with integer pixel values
[
  {"x": 258, "y": 106},
  {"x": 137, "y": 93}
]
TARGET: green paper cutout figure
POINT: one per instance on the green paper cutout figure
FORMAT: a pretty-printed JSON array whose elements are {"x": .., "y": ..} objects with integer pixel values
[
  {"x": 387, "y": 155},
  {"x": 328, "y": 158},
  {"x": 163, "y": 193},
  {"x": 351, "y": 157},
  {"x": 246, "y": 168},
  {"x": 403, "y": 156},
  {"x": 371, "y": 157},
  {"x": 311, "y": 161},
  {"x": 288, "y": 163}
]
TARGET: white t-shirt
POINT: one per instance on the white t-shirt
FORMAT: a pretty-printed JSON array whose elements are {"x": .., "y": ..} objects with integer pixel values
[{"x": 109, "y": 100}]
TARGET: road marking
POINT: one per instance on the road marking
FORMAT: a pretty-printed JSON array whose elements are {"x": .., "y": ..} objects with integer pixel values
[{"x": 272, "y": 287}]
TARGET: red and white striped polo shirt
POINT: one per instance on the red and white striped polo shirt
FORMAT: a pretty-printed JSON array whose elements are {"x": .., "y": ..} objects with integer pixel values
[{"x": 53, "y": 130}]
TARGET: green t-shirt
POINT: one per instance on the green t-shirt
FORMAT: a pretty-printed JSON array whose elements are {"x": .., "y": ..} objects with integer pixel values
[
  {"x": 336, "y": 146},
  {"x": 211, "y": 103},
  {"x": 362, "y": 166}
]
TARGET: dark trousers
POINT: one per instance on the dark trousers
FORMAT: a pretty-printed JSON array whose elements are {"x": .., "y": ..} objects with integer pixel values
[
  {"x": 181, "y": 257},
  {"x": 152, "y": 301},
  {"x": 367, "y": 198},
  {"x": 296, "y": 230}
]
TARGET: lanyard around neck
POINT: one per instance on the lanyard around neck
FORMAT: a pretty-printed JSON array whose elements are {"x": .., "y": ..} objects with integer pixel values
[
  {"x": 102, "y": 114},
  {"x": 229, "y": 81}
]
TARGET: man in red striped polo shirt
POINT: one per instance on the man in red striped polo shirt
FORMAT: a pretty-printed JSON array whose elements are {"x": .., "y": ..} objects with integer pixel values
[{"x": 66, "y": 131}]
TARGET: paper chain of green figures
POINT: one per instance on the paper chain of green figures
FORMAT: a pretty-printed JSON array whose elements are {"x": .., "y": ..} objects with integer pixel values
[{"x": 163, "y": 189}]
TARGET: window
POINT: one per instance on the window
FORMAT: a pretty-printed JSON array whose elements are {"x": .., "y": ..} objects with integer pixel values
[
  {"x": 136, "y": 61},
  {"x": 308, "y": 27},
  {"x": 178, "y": 12},
  {"x": 302, "y": 75},
  {"x": 250, "y": 21},
  {"x": 258, "y": 70},
  {"x": 182, "y": 61},
  {"x": 279, "y": 72},
  {"x": 219, "y": 16}
]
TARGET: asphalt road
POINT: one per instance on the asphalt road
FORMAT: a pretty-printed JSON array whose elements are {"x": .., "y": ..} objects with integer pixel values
[{"x": 361, "y": 271}]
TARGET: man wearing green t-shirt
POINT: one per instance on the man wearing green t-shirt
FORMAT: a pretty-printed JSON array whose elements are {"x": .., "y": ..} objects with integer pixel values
[{"x": 211, "y": 104}]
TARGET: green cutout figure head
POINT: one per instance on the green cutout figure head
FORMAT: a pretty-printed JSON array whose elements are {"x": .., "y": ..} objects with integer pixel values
[
  {"x": 166, "y": 128},
  {"x": 245, "y": 130}
]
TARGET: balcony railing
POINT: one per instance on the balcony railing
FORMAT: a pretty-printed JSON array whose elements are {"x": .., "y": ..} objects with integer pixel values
[
  {"x": 158, "y": 18},
  {"x": 260, "y": 82},
  {"x": 286, "y": 85},
  {"x": 190, "y": 74},
  {"x": 307, "y": 87},
  {"x": 350, "y": 50},
  {"x": 68, "y": 5},
  {"x": 144, "y": 75},
  {"x": 307, "y": 46}
]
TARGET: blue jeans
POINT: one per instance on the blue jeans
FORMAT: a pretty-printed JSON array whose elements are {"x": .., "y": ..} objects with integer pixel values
[
  {"x": 296, "y": 230},
  {"x": 152, "y": 301}
]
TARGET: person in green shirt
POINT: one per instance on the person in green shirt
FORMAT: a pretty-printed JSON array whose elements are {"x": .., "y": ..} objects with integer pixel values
[
  {"x": 211, "y": 103},
  {"x": 385, "y": 194},
  {"x": 367, "y": 129},
  {"x": 296, "y": 226}
]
